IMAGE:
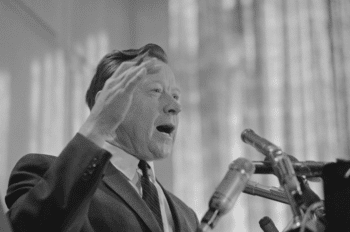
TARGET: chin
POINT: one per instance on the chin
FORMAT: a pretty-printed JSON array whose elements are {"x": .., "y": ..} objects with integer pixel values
[{"x": 161, "y": 152}]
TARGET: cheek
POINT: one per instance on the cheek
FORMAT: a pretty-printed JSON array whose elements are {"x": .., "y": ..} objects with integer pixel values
[{"x": 144, "y": 115}]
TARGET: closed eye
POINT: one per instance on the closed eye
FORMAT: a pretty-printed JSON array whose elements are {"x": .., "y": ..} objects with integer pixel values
[{"x": 176, "y": 97}]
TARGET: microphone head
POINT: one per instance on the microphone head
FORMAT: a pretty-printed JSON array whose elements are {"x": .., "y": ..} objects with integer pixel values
[
  {"x": 267, "y": 225},
  {"x": 261, "y": 144},
  {"x": 232, "y": 185},
  {"x": 227, "y": 192},
  {"x": 264, "y": 221},
  {"x": 245, "y": 133},
  {"x": 243, "y": 165}
]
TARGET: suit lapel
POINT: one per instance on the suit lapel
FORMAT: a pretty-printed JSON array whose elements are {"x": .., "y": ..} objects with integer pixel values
[
  {"x": 120, "y": 185},
  {"x": 179, "y": 219}
]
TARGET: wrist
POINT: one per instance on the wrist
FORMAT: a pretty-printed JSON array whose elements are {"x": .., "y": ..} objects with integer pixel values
[{"x": 92, "y": 134}]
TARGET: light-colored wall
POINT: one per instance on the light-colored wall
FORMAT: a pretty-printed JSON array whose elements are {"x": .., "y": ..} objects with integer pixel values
[
  {"x": 35, "y": 30},
  {"x": 21, "y": 41}
]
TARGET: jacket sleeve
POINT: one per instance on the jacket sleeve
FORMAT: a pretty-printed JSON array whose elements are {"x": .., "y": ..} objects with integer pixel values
[{"x": 46, "y": 193}]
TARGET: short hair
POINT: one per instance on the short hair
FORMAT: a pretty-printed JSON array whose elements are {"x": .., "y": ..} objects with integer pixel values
[{"x": 110, "y": 62}]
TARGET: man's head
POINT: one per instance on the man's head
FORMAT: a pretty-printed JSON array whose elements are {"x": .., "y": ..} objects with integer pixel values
[{"x": 149, "y": 129}]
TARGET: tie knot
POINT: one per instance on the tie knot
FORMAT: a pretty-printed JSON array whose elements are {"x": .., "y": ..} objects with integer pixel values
[{"x": 143, "y": 165}]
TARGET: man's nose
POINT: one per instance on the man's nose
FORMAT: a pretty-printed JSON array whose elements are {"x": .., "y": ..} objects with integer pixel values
[{"x": 172, "y": 107}]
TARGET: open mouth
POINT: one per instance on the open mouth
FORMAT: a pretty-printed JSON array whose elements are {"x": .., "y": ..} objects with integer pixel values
[{"x": 167, "y": 128}]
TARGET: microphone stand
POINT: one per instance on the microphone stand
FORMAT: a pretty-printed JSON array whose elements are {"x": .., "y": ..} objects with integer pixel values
[
  {"x": 272, "y": 193},
  {"x": 283, "y": 168},
  {"x": 285, "y": 172}
]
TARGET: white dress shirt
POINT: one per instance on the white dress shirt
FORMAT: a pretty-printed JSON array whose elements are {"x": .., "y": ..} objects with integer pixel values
[{"x": 128, "y": 165}]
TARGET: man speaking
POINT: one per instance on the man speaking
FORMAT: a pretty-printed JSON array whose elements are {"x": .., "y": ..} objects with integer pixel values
[{"x": 104, "y": 180}]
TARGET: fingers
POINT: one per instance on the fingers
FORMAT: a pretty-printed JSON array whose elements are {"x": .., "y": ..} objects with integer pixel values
[
  {"x": 131, "y": 67},
  {"x": 150, "y": 65},
  {"x": 122, "y": 79},
  {"x": 132, "y": 82},
  {"x": 125, "y": 66},
  {"x": 141, "y": 59},
  {"x": 129, "y": 84}
]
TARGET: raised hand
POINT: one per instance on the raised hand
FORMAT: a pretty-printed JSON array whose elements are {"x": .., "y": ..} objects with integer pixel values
[{"x": 114, "y": 100}]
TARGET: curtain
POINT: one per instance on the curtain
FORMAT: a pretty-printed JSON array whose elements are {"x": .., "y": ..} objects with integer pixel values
[
  {"x": 280, "y": 68},
  {"x": 58, "y": 84}
]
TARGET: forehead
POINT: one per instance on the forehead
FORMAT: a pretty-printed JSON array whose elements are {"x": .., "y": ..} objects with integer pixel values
[{"x": 165, "y": 76}]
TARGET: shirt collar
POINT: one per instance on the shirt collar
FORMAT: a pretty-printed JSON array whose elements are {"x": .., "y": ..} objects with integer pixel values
[{"x": 124, "y": 162}]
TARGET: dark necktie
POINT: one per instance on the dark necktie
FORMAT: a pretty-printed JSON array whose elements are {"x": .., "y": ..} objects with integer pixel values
[{"x": 149, "y": 192}]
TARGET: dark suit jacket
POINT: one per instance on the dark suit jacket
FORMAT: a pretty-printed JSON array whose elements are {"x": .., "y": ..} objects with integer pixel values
[{"x": 80, "y": 190}]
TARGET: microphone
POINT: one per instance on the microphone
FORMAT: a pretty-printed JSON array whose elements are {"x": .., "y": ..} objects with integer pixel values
[
  {"x": 283, "y": 169},
  {"x": 305, "y": 168},
  {"x": 227, "y": 192},
  {"x": 272, "y": 193},
  {"x": 267, "y": 225},
  {"x": 260, "y": 144},
  {"x": 280, "y": 162}
]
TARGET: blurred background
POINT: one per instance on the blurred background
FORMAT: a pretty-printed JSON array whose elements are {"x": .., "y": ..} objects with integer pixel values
[{"x": 281, "y": 68}]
